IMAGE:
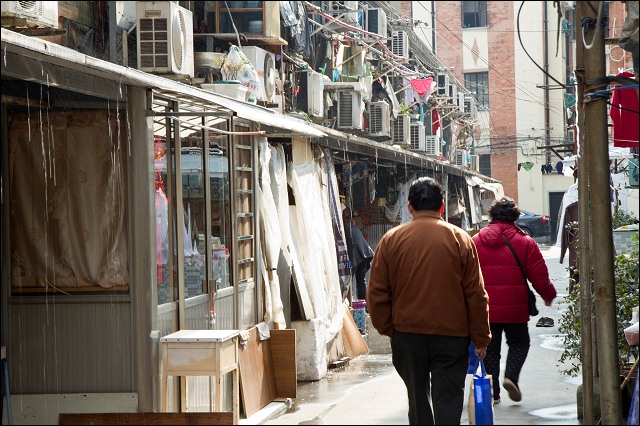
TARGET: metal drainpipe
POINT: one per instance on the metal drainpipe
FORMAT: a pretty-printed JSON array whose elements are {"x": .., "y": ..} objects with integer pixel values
[
  {"x": 433, "y": 26},
  {"x": 547, "y": 130}
]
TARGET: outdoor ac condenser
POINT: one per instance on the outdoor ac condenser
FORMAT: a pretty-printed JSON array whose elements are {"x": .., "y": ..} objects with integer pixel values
[
  {"x": 44, "y": 13},
  {"x": 432, "y": 146},
  {"x": 401, "y": 131},
  {"x": 265, "y": 64},
  {"x": 400, "y": 44},
  {"x": 379, "y": 120},
  {"x": 350, "y": 110},
  {"x": 311, "y": 98},
  {"x": 165, "y": 38},
  {"x": 377, "y": 21},
  {"x": 461, "y": 157},
  {"x": 417, "y": 136}
]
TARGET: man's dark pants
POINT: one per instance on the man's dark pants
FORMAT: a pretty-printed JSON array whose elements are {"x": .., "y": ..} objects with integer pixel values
[{"x": 415, "y": 357}]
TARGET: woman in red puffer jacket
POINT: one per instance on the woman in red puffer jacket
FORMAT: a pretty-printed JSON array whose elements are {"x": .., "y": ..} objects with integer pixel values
[{"x": 508, "y": 294}]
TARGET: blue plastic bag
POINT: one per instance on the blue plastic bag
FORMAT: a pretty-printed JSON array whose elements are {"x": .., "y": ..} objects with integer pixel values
[
  {"x": 483, "y": 396},
  {"x": 633, "y": 411}
]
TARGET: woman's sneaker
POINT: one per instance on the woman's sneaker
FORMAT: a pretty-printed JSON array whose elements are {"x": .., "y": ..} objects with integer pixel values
[{"x": 513, "y": 389}]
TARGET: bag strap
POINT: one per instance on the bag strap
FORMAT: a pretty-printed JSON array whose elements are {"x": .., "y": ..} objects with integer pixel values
[
  {"x": 506, "y": 240},
  {"x": 480, "y": 362}
]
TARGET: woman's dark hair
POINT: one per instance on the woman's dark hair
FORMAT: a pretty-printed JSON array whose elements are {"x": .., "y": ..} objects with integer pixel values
[
  {"x": 425, "y": 194},
  {"x": 504, "y": 209}
]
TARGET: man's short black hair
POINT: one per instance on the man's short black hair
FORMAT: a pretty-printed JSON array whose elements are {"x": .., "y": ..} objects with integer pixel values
[
  {"x": 504, "y": 209},
  {"x": 425, "y": 194}
]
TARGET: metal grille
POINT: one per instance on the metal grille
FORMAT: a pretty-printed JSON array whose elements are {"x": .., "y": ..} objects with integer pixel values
[
  {"x": 415, "y": 135},
  {"x": 432, "y": 145},
  {"x": 399, "y": 129},
  {"x": 398, "y": 43},
  {"x": 375, "y": 119},
  {"x": 345, "y": 112},
  {"x": 154, "y": 49}
]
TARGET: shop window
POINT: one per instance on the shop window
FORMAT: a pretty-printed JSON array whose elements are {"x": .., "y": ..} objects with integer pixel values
[
  {"x": 474, "y": 14},
  {"x": 188, "y": 228},
  {"x": 478, "y": 84}
]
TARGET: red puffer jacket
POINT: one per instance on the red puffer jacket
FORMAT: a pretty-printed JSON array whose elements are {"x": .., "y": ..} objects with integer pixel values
[{"x": 502, "y": 277}]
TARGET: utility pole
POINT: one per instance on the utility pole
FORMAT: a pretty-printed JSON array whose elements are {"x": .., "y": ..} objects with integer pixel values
[
  {"x": 597, "y": 146},
  {"x": 584, "y": 242}
]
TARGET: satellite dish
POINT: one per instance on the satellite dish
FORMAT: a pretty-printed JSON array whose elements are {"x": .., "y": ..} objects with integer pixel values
[{"x": 269, "y": 77}]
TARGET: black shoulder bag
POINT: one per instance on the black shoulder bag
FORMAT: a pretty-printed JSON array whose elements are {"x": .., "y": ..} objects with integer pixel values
[{"x": 533, "y": 310}]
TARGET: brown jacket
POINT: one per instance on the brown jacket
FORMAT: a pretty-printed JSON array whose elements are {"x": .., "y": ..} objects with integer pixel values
[{"x": 425, "y": 278}]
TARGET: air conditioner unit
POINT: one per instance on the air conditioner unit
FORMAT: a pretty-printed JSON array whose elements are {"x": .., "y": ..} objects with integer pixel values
[
  {"x": 470, "y": 106},
  {"x": 443, "y": 84},
  {"x": 350, "y": 110},
  {"x": 400, "y": 44},
  {"x": 165, "y": 38},
  {"x": 41, "y": 13},
  {"x": 344, "y": 11},
  {"x": 432, "y": 146},
  {"x": 417, "y": 136},
  {"x": 377, "y": 21},
  {"x": 379, "y": 120},
  {"x": 265, "y": 64},
  {"x": 428, "y": 123},
  {"x": 452, "y": 94},
  {"x": 460, "y": 101},
  {"x": 475, "y": 163},
  {"x": 310, "y": 99},
  {"x": 461, "y": 157},
  {"x": 401, "y": 135}
]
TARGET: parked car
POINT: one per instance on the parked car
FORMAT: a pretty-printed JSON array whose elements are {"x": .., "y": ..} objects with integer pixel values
[{"x": 534, "y": 225}]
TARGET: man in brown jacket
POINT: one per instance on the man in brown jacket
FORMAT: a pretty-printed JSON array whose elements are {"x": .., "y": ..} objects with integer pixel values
[{"x": 427, "y": 294}]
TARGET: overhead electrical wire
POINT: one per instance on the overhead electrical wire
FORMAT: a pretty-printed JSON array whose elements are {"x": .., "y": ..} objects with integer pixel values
[{"x": 479, "y": 57}]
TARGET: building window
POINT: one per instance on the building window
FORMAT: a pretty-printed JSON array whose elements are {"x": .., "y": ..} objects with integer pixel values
[
  {"x": 478, "y": 84},
  {"x": 485, "y": 164},
  {"x": 474, "y": 14}
]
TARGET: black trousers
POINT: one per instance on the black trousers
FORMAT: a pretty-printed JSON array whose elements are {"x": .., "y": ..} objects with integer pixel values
[
  {"x": 518, "y": 341},
  {"x": 432, "y": 367}
]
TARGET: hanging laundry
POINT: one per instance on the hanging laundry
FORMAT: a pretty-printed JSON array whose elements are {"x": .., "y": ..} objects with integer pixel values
[
  {"x": 435, "y": 120},
  {"x": 625, "y": 120},
  {"x": 423, "y": 88}
]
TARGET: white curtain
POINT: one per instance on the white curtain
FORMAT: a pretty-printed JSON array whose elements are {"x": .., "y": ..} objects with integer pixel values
[
  {"x": 271, "y": 240},
  {"x": 317, "y": 244},
  {"x": 68, "y": 199}
]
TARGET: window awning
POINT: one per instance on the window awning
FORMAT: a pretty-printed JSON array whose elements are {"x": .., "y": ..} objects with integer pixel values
[{"x": 495, "y": 188}]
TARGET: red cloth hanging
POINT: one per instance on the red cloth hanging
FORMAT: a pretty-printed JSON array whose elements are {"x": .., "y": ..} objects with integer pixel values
[
  {"x": 625, "y": 122},
  {"x": 435, "y": 121}
]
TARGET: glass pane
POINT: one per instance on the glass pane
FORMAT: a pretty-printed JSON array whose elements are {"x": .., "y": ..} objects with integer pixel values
[
  {"x": 166, "y": 273},
  {"x": 249, "y": 22},
  {"x": 220, "y": 205},
  {"x": 193, "y": 202}
]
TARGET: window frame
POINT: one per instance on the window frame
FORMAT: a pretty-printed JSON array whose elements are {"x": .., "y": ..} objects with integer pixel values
[
  {"x": 479, "y": 14},
  {"x": 472, "y": 82}
]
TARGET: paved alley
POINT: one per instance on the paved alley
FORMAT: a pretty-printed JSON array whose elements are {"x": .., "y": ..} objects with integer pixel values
[{"x": 369, "y": 391}]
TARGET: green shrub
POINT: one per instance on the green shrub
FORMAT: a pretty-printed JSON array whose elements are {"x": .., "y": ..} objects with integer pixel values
[{"x": 626, "y": 274}]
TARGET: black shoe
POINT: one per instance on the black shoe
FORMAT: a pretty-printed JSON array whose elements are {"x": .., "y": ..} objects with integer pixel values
[
  {"x": 548, "y": 322},
  {"x": 541, "y": 322},
  {"x": 513, "y": 389}
]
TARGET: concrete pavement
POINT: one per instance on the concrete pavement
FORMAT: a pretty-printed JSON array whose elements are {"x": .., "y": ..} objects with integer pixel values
[{"x": 369, "y": 391}]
